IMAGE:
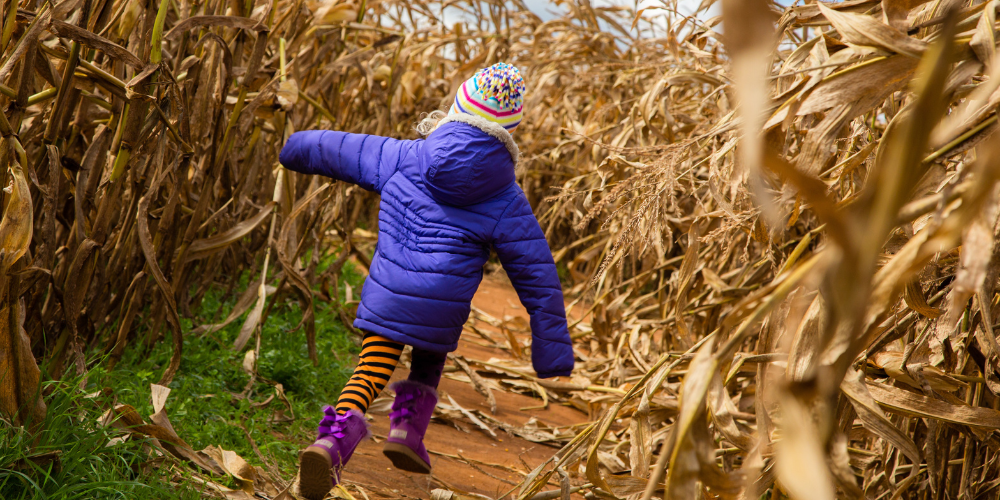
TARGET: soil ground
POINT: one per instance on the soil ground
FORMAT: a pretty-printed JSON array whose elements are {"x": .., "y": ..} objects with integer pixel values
[{"x": 373, "y": 472}]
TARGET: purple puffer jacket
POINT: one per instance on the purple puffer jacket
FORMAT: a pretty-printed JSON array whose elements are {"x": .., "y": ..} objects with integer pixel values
[{"x": 446, "y": 200}]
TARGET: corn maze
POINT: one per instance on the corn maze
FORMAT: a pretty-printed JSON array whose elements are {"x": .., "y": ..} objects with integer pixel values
[{"x": 783, "y": 235}]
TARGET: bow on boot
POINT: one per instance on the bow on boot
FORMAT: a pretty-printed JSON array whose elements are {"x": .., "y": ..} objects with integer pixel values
[
  {"x": 321, "y": 463},
  {"x": 411, "y": 414}
]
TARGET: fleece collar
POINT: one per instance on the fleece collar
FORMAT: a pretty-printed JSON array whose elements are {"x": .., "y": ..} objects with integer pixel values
[{"x": 491, "y": 128}]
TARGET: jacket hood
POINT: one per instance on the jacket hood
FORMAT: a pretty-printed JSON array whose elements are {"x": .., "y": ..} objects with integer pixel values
[{"x": 467, "y": 160}]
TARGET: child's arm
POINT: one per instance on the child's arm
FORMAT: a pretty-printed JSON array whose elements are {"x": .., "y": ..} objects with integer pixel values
[
  {"x": 365, "y": 160},
  {"x": 525, "y": 255}
]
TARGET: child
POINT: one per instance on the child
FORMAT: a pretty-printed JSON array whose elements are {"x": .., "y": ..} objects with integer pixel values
[{"x": 446, "y": 200}]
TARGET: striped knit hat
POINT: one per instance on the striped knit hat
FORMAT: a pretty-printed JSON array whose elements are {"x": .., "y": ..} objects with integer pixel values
[{"x": 495, "y": 93}]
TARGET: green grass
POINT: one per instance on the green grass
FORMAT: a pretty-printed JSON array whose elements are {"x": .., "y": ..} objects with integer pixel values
[
  {"x": 203, "y": 405},
  {"x": 87, "y": 468}
]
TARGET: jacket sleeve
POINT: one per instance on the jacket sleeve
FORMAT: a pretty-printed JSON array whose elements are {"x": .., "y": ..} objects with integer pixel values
[
  {"x": 366, "y": 160},
  {"x": 525, "y": 255}
]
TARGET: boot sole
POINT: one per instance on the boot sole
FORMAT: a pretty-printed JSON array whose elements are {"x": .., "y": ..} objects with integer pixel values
[
  {"x": 403, "y": 458},
  {"x": 314, "y": 473}
]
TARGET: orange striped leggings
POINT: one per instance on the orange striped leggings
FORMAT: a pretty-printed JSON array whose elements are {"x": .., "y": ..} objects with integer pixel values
[{"x": 378, "y": 359}]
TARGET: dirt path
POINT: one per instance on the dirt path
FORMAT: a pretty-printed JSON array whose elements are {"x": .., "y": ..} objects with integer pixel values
[{"x": 374, "y": 474}]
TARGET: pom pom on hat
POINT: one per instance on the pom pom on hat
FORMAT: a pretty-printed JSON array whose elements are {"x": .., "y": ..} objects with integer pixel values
[{"x": 495, "y": 93}]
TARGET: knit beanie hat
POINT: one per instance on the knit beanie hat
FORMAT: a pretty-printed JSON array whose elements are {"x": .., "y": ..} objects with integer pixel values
[{"x": 495, "y": 93}]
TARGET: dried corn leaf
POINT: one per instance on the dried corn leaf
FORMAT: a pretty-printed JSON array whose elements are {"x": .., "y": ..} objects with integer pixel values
[
  {"x": 199, "y": 249},
  {"x": 17, "y": 225},
  {"x": 20, "y": 393},
  {"x": 903, "y": 401},
  {"x": 866, "y": 30},
  {"x": 874, "y": 420}
]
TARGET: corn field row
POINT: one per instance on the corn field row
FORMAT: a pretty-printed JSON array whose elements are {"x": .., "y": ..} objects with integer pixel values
[{"x": 783, "y": 233}]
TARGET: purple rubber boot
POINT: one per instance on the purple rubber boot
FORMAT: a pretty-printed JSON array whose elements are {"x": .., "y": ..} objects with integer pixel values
[
  {"x": 410, "y": 416},
  {"x": 321, "y": 463}
]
